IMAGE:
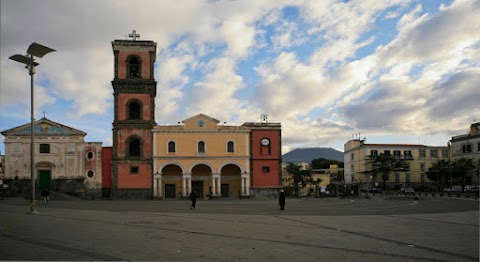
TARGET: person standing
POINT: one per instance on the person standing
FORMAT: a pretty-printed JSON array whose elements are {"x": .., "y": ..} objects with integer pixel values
[
  {"x": 193, "y": 198},
  {"x": 46, "y": 195},
  {"x": 281, "y": 200}
]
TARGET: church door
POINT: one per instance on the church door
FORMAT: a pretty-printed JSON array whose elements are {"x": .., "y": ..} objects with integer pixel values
[{"x": 44, "y": 179}]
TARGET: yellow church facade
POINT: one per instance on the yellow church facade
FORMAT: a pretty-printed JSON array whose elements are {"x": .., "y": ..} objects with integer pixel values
[{"x": 201, "y": 155}]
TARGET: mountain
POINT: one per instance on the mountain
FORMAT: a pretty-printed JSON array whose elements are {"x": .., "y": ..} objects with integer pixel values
[{"x": 308, "y": 154}]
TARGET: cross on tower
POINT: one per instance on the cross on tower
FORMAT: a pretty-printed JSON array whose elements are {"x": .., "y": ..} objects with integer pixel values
[{"x": 134, "y": 35}]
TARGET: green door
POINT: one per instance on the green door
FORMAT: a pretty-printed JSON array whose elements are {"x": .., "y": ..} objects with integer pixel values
[{"x": 45, "y": 177}]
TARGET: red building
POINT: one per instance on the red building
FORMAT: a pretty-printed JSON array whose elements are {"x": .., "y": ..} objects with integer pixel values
[{"x": 266, "y": 158}]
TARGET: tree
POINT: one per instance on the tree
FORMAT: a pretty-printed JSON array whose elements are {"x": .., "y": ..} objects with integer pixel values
[
  {"x": 445, "y": 170},
  {"x": 386, "y": 164},
  {"x": 321, "y": 163},
  {"x": 440, "y": 172},
  {"x": 302, "y": 177},
  {"x": 461, "y": 167}
]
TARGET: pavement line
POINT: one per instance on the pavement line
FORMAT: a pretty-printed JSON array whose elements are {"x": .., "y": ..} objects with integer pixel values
[
  {"x": 72, "y": 250},
  {"x": 251, "y": 238},
  {"x": 383, "y": 239},
  {"x": 436, "y": 221}
]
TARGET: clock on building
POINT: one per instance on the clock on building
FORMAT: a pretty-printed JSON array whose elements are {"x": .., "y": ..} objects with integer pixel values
[{"x": 265, "y": 141}]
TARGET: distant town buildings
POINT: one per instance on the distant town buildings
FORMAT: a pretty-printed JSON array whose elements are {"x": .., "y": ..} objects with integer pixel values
[{"x": 418, "y": 157}]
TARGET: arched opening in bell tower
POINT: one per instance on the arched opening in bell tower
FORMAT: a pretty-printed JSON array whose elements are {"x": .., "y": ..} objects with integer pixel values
[
  {"x": 134, "y": 109},
  {"x": 134, "y": 147},
  {"x": 133, "y": 66}
]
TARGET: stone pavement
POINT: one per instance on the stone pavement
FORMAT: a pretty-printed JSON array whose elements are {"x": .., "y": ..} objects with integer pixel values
[{"x": 328, "y": 229}]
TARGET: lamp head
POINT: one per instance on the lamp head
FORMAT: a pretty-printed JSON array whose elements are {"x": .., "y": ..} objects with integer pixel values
[{"x": 38, "y": 50}]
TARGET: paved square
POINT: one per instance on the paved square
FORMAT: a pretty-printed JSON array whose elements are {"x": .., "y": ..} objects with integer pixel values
[{"x": 327, "y": 229}]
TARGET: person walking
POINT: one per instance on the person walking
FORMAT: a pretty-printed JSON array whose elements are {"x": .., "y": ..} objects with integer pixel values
[
  {"x": 46, "y": 195},
  {"x": 193, "y": 198},
  {"x": 281, "y": 200}
]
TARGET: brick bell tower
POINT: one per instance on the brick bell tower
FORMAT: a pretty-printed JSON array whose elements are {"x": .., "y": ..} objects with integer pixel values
[{"x": 134, "y": 89}]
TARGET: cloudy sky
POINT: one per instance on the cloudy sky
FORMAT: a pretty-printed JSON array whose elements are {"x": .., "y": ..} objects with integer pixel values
[{"x": 395, "y": 71}]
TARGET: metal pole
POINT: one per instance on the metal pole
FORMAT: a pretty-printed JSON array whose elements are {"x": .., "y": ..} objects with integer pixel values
[{"x": 32, "y": 142}]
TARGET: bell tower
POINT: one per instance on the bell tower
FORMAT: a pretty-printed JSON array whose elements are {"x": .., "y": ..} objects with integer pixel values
[{"x": 134, "y": 93}]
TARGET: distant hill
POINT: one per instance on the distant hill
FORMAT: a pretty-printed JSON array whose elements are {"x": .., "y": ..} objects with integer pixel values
[{"x": 308, "y": 154}]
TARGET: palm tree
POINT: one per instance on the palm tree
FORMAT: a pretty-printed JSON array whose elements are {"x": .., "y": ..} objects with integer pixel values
[{"x": 386, "y": 164}]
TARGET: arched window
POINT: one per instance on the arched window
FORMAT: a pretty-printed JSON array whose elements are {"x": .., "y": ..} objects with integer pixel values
[
  {"x": 201, "y": 147},
  {"x": 134, "y": 67},
  {"x": 230, "y": 147},
  {"x": 134, "y": 147},
  {"x": 134, "y": 110},
  {"x": 171, "y": 147}
]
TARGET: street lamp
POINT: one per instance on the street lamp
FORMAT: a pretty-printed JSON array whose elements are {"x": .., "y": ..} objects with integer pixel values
[{"x": 37, "y": 50}]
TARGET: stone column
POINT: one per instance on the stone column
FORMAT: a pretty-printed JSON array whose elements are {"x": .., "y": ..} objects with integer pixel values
[
  {"x": 219, "y": 186},
  {"x": 157, "y": 185},
  {"x": 187, "y": 183},
  {"x": 215, "y": 184},
  {"x": 245, "y": 184}
]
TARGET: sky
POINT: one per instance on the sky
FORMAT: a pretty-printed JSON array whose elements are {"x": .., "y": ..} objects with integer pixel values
[{"x": 393, "y": 71}]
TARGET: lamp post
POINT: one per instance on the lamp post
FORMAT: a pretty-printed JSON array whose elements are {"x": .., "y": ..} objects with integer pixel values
[{"x": 37, "y": 50}]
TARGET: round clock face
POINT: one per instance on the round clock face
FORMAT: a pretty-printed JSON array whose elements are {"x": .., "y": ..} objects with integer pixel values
[{"x": 265, "y": 142}]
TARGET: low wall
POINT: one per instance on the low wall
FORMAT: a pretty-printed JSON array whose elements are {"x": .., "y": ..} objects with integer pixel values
[{"x": 264, "y": 192}]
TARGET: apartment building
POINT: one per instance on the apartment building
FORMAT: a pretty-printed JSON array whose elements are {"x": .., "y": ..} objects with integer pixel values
[
  {"x": 468, "y": 146},
  {"x": 418, "y": 157}
]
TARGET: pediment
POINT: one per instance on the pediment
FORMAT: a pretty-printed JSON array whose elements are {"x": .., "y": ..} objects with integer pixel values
[
  {"x": 200, "y": 121},
  {"x": 44, "y": 127}
]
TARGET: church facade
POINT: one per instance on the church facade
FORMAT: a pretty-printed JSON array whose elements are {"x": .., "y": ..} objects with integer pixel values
[
  {"x": 64, "y": 162},
  {"x": 216, "y": 160}
]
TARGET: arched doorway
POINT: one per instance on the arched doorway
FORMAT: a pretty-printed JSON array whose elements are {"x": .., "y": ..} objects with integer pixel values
[
  {"x": 172, "y": 181},
  {"x": 201, "y": 180},
  {"x": 231, "y": 181}
]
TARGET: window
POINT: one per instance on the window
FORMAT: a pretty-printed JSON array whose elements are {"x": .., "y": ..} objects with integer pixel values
[
  {"x": 397, "y": 178},
  {"x": 90, "y": 155},
  {"x": 44, "y": 148},
  {"x": 386, "y": 152},
  {"x": 352, "y": 156},
  {"x": 90, "y": 173},
  {"x": 134, "y": 169},
  {"x": 478, "y": 147},
  {"x": 467, "y": 148},
  {"x": 352, "y": 167},
  {"x": 422, "y": 153},
  {"x": 422, "y": 178},
  {"x": 444, "y": 153},
  {"x": 134, "y": 67},
  {"x": 134, "y": 109},
  {"x": 373, "y": 152},
  {"x": 434, "y": 153},
  {"x": 171, "y": 147},
  {"x": 134, "y": 147},
  {"x": 397, "y": 153},
  {"x": 422, "y": 167},
  {"x": 407, "y": 177},
  {"x": 201, "y": 147},
  {"x": 407, "y": 154},
  {"x": 265, "y": 169},
  {"x": 230, "y": 147}
]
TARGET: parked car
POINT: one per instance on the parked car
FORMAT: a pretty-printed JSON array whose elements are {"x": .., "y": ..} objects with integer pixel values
[
  {"x": 372, "y": 190},
  {"x": 453, "y": 189},
  {"x": 406, "y": 190},
  {"x": 471, "y": 189},
  {"x": 3, "y": 186}
]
